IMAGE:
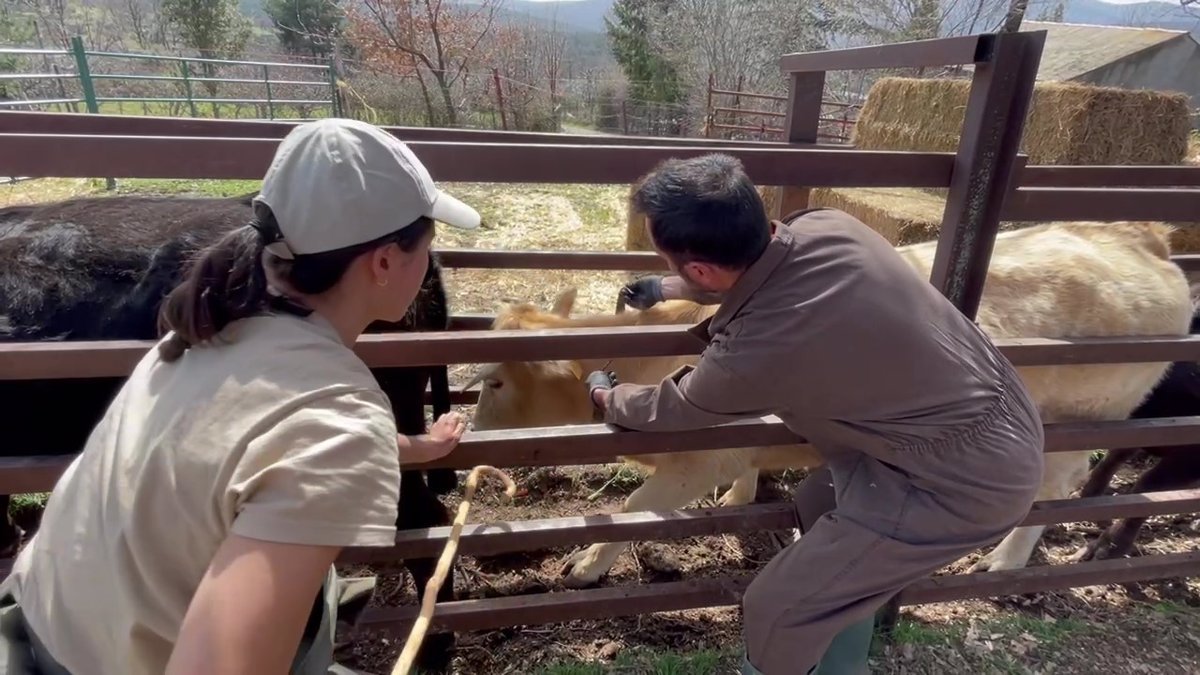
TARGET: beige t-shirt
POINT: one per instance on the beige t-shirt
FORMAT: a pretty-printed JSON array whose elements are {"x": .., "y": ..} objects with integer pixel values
[{"x": 280, "y": 433}]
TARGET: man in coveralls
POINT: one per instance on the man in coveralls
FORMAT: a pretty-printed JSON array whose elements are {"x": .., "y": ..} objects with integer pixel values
[{"x": 933, "y": 442}]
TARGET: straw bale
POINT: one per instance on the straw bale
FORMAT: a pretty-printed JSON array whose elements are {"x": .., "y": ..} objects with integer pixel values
[
  {"x": 901, "y": 215},
  {"x": 1068, "y": 123},
  {"x": 637, "y": 238}
]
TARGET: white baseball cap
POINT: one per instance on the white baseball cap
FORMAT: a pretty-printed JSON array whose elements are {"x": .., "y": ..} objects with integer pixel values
[{"x": 338, "y": 182}]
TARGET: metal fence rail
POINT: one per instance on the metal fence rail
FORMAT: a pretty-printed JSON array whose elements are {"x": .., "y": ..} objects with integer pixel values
[
  {"x": 83, "y": 79},
  {"x": 986, "y": 177}
]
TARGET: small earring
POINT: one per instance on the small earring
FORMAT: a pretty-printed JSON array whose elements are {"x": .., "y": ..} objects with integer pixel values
[{"x": 382, "y": 283}]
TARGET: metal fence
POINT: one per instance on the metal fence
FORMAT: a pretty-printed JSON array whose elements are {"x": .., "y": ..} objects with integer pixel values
[{"x": 169, "y": 81}]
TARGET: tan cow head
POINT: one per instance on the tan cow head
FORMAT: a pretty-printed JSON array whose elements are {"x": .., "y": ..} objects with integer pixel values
[
  {"x": 520, "y": 394},
  {"x": 551, "y": 393}
]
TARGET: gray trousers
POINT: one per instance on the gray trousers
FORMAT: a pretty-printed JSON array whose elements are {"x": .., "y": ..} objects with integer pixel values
[
  {"x": 22, "y": 653},
  {"x": 890, "y": 530}
]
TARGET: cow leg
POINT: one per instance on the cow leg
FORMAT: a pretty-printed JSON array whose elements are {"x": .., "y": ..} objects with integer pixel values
[
  {"x": 1063, "y": 473},
  {"x": 672, "y": 486},
  {"x": 10, "y": 534},
  {"x": 742, "y": 492},
  {"x": 1172, "y": 472},
  {"x": 1102, "y": 474}
]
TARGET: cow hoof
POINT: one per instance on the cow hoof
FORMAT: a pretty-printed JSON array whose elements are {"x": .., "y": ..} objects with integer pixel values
[
  {"x": 988, "y": 564},
  {"x": 578, "y": 570},
  {"x": 1084, "y": 554},
  {"x": 733, "y": 498}
]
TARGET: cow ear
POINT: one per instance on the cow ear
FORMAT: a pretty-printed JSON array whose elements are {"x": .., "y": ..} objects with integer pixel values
[
  {"x": 576, "y": 369},
  {"x": 565, "y": 302}
]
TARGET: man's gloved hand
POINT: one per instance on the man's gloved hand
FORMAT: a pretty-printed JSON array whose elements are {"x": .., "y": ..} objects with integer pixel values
[
  {"x": 643, "y": 293},
  {"x": 600, "y": 379}
]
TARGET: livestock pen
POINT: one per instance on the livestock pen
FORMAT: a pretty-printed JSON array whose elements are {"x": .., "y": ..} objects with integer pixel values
[{"x": 987, "y": 179}]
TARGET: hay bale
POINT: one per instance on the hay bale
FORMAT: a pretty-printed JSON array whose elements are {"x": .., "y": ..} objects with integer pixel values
[
  {"x": 637, "y": 237},
  {"x": 1068, "y": 123},
  {"x": 901, "y": 215},
  {"x": 910, "y": 216}
]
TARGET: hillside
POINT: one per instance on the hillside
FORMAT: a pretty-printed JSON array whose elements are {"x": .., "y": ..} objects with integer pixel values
[{"x": 1152, "y": 14}]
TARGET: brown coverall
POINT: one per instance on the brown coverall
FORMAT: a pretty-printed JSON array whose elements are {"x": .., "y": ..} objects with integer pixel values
[{"x": 934, "y": 444}]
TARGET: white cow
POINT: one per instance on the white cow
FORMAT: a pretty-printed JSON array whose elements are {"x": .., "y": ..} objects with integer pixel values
[{"x": 1056, "y": 280}]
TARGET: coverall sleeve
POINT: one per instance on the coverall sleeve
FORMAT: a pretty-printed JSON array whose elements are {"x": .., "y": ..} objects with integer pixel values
[
  {"x": 675, "y": 288},
  {"x": 693, "y": 397}
]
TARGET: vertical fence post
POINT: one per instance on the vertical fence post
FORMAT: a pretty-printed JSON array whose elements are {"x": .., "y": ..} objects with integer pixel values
[
  {"x": 1001, "y": 89},
  {"x": 267, "y": 81},
  {"x": 802, "y": 117},
  {"x": 85, "y": 75},
  {"x": 88, "y": 87},
  {"x": 335, "y": 96},
  {"x": 708, "y": 108},
  {"x": 186, "y": 71},
  {"x": 500, "y": 98}
]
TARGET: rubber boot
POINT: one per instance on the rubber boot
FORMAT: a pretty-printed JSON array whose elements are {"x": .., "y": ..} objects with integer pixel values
[{"x": 846, "y": 654}]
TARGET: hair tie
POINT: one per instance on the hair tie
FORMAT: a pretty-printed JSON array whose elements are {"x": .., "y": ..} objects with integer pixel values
[{"x": 272, "y": 238}]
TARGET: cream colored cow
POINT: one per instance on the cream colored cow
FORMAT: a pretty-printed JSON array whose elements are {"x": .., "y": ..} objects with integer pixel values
[{"x": 1056, "y": 280}]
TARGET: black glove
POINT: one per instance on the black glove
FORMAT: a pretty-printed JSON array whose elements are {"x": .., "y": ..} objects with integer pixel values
[
  {"x": 600, "y": 379},
  {"x": 643, "y": 293}
]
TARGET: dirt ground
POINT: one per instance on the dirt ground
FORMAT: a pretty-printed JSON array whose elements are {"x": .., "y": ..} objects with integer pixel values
[
  {"x": 1130, "y": 629},
  {"x": 1146, "y": 628}
]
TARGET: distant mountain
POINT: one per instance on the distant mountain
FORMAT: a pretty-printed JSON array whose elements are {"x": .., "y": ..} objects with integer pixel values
[
  {"x": 1152, "y": 14},
  {"x": 582, "y": 15}
]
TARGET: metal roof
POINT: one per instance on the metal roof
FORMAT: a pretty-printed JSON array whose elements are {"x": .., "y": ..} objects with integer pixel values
[{"x": 1076, "y": 49}]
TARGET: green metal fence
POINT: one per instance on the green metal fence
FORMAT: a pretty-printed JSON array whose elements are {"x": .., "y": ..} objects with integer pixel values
[{"x": 186, "y": 72}]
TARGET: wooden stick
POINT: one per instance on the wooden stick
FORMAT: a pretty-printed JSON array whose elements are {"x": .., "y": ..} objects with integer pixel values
[{"x": 417, "y": 635}]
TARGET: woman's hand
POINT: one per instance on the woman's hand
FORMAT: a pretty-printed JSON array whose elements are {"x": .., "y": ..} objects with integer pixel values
[{"x": 442, "y": 438}]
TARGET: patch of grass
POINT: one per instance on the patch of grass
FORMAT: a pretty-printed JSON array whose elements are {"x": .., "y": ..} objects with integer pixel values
[
  {"x": 650, "y": 662},
  {"x": 921, "y": 634},
  {"x": 34, "y": 500},
  {"x": 200, "y": 188}
]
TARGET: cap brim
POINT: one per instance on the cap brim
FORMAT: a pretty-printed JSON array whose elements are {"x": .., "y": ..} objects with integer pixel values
[{"x": 454, "y": 213}]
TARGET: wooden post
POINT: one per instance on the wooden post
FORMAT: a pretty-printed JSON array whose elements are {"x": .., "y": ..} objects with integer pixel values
[
  {"x": 625, "y": 116},
  {"x": 500, "y": 98},
  {"x": 984, "y": 166}
]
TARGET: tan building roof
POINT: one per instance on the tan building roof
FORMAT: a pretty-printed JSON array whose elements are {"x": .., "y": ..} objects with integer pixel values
[{"x": 1075, "y": 49}]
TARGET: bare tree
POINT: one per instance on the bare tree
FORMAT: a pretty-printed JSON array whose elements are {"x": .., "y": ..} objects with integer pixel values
[{"x": 434, "y": 39}]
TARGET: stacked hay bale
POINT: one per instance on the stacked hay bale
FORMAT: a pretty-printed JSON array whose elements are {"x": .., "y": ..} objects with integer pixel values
[
  {"x": 637, "y": 238},
  {"x": 1067, "y": 123}
]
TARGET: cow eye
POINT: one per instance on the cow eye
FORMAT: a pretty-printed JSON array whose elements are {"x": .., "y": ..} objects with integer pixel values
[{"x": 493, "y": 384}]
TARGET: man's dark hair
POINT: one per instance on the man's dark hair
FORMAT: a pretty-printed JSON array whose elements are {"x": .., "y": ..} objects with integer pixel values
[{"x": 704, "y": 209}]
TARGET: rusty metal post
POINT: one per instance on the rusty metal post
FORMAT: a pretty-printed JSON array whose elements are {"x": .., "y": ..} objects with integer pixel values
[
  {"x": 984, "y": 165},
  {"x": 1001, "y": 89},
  {"x": 805, "y": 92},
  {"x": 500, "y": 98},
  {"x": 709, "y": 117}
]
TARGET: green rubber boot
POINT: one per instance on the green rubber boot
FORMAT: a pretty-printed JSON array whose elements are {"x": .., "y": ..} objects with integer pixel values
[{"x": 846, "y": 655}]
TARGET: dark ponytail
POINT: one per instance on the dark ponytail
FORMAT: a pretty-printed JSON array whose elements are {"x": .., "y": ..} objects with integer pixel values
[{"x": 228, "y": 282}]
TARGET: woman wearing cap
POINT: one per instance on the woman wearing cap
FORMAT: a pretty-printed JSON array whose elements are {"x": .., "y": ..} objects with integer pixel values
[{"x": 199, "y": 525}]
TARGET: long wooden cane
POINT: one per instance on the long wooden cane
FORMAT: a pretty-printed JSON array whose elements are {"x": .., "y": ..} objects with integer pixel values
[{"x": 417, "y": 635}]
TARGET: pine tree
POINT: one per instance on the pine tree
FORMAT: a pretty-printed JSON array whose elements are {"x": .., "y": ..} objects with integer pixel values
[{"x": 651, "y": 77}]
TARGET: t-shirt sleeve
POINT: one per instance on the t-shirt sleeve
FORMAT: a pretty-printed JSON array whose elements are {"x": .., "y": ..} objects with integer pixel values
[{"x": 326, "y": 474}]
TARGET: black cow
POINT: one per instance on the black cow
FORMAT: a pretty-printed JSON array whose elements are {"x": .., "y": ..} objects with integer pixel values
[
  {"x": 1176, "y": 468},
  {"x": 97, "y": 269}
]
